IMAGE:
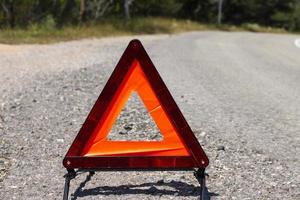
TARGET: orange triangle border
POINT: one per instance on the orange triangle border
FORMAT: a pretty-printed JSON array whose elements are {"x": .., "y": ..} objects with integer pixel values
[{"x": 197, "y": 157}]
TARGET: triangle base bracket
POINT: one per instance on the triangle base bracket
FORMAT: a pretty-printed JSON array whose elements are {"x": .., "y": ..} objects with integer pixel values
[{"x": 199, "y": 174}]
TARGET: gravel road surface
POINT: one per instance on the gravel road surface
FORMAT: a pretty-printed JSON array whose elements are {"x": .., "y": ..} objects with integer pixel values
[{"x": 239, "y": 92}]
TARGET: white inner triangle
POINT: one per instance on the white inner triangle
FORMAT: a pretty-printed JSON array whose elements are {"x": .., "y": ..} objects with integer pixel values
[{"x": 134, "y": 123}]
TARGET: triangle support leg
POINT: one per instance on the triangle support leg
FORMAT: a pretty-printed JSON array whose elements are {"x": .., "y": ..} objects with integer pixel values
[
  {"x": 200, "y": 176},
  {"x": 68, "y": 177}
]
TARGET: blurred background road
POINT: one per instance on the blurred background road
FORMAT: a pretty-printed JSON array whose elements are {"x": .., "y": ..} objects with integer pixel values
[{"x": 239, "y": 92}]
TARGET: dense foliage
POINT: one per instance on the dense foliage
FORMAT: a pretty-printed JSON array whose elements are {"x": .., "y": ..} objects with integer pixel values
[{"x": 23, "y": 13}]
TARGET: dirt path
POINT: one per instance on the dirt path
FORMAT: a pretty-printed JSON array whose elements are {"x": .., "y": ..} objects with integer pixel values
[{"x": 238, "y": 91}]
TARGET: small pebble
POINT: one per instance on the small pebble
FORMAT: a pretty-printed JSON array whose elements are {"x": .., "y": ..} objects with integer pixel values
[
  {"x": 128, "y": 127},
  {"x": 152, "y": 189},
  {"x": 202, "y": 134},
  {"x": 221, "y": 148},
  {"x": 60, "y": 140},
  {"x": 122, "y": 133}
]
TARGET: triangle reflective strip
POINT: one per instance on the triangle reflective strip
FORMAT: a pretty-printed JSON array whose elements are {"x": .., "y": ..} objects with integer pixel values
[{"x": 171, "y": 145}]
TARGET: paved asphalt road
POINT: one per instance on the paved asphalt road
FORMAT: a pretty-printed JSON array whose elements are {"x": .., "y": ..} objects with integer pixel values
[{"x": 239, "y": 92}]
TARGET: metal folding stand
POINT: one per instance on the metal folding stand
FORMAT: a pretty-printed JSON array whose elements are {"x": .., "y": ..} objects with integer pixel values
[
  {"x": 68, "y": 177},
  {"x": 198, "y": 173},
  {"x": 200, "y": 176}
]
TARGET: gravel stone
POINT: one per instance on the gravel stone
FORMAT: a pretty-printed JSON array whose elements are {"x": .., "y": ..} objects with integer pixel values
[
  {"x": 135, "y": 123},
  {"x": 221, "y": 148},
  {"x": 4, "y": 166}
]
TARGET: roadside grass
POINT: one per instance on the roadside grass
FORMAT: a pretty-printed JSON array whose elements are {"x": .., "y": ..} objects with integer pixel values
[
  {"x": 49, "y": 33},
  {"x": 252, "y": 27}
]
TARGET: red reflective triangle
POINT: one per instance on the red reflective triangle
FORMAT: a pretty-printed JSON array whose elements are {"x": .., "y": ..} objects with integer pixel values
[{"x": 179, "y": 148}]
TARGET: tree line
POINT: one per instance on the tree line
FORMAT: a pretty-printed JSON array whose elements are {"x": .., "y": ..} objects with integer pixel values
[{"x": 277, "y": 13}]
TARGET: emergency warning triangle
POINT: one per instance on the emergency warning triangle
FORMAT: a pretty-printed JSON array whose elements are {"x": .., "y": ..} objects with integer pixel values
[{"x": 179, "y": 148}]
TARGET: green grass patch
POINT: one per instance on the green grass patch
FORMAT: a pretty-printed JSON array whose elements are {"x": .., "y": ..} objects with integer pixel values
[
  {"x": 48, "y": 33},
  {"x": 251, "y": 27}
]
